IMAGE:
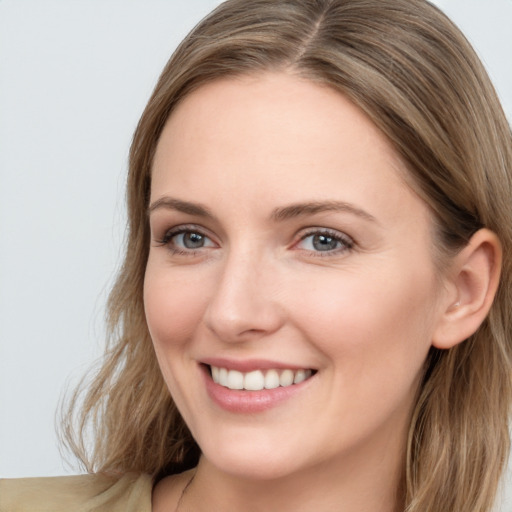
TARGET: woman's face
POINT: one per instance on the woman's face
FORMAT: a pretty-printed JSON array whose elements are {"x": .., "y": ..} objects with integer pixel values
[{"x": 285, "y": 245}]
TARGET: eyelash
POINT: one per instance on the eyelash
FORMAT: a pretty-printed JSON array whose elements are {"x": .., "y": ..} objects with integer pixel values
[
  {"x": 341, "y": 238},
  {"x": 180, "y": 230}
]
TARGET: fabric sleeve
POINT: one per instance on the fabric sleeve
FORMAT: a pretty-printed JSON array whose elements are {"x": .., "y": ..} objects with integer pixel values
[{"x": 82, "y": 493}]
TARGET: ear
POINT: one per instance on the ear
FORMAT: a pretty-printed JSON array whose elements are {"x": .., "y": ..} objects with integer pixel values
[{"x": 472, "y": 281}]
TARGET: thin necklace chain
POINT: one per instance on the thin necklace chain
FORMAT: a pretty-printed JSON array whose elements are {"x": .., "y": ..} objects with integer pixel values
[{"x": 182, "y": 495}]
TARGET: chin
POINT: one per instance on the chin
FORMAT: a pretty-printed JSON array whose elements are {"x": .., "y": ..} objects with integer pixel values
[{"x": 254, "y": 461}]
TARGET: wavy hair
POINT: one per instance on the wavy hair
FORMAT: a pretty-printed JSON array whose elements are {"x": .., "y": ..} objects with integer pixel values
[{"x": 414, "y": 74}]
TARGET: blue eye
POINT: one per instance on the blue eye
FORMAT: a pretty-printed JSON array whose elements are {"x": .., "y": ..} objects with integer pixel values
[
  {"x": 190, "y": 240},
  {"x": 184, "y": 240},
  {"x": 326, "y": 242}
]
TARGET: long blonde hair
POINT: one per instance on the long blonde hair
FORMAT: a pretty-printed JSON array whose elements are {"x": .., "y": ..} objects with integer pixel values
[{"x": 411, "y": 70}]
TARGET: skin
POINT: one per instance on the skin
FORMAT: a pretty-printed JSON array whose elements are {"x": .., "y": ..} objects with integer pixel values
[{"x": 363, "y": 314}]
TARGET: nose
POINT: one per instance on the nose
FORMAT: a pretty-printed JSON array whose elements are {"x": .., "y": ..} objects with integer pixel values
[{"x": 245, "y": 304}]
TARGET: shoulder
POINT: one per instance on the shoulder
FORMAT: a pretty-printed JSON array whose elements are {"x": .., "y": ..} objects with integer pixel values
[{"x": 82, "y": 493}]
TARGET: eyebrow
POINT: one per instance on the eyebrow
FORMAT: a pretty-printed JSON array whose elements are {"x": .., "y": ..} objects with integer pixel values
[
  {"x": 278, "y": 214},
  {"x": 310, "y": 208},
  {"x": 170, "y": 203}
]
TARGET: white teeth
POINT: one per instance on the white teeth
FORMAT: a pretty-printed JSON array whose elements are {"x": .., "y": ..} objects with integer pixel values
[
  {"x": 254, "y": 381},
  {"x": 271, "y": 379},
  {"x": 235, "y": 380},
  {"x": 299, "y": 376},
  {"x": 223, "y": 377},
  {"x": 286, "y": 378},
  {"x": 258, "y": 379}
]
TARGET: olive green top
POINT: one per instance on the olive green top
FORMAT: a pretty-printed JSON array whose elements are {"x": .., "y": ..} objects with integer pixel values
[{"x": 83, "y": 493}]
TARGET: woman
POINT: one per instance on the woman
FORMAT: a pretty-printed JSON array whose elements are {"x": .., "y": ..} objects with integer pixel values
[{"x": 284, "y": 336}]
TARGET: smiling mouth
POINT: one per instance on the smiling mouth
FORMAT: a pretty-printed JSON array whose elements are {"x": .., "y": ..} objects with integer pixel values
[{"x": 258, "y": 380}]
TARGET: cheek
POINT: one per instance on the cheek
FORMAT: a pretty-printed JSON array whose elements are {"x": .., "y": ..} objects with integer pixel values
[
  {"x": 375, "y": 331},
  {"x": 173, "y": 304}
]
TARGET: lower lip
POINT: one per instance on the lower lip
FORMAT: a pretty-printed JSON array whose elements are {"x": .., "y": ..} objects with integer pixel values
[{"x": 242, "y": 401}]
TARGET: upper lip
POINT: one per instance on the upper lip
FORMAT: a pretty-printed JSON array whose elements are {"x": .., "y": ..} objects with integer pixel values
[{"x": 249, "y": 365}]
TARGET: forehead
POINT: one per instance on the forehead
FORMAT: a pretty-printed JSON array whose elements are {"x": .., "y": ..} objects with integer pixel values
[
  {"x": 275, "y": 137},
  {"x": 265, "y": 107}
]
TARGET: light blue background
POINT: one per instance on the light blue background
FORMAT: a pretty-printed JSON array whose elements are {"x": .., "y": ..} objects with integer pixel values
[{"x": 74, "y": 78}]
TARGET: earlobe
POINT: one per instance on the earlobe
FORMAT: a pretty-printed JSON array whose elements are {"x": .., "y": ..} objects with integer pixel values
[{"x": 474, "y": 279}]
